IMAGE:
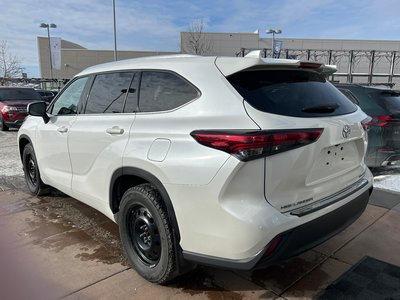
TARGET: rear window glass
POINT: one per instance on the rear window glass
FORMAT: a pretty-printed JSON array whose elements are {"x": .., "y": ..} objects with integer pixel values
[
  {"x": 365, "y": 97},
  {"x": 389, "y": 100},
  {"x": 296, "y": 93},
  {"x": 19, "y": 94}
]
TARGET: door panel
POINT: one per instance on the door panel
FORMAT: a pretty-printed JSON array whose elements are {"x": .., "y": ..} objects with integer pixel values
[
  {"x": 96, "y": 146},
  {"x": 52, "y": 137},
  {"x": 52, "y": 151}
]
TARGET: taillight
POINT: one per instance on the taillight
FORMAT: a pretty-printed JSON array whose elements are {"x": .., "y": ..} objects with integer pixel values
[
  {"x": 366, "y": 123},
  {"x": 381, "y": 121},
  {"x": 251, "y": 145}
]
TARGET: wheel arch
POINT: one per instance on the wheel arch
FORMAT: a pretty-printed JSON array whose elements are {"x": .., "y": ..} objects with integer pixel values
[
  {"x": 23, "y": 140},
  {"x": 126, "y": 177}
]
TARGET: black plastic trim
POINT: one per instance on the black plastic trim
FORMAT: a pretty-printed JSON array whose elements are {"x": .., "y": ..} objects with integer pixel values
[
  {"x": 151, "y": 179},
  {"x": 322, "y": 203},
  {"x": 23, "y": 136}
]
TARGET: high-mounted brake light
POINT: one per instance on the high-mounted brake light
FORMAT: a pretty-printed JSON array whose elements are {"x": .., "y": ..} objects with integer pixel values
[
  {"x": 309, "y": 65},
  {"x": 251, "y": 145}
]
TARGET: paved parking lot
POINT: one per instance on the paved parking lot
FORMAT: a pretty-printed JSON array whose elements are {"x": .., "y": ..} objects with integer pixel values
[{"x": 56, "y": 247}]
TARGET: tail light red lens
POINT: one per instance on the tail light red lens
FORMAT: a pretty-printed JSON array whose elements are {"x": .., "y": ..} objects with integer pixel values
[
  {"x": 366, "y": 123},
  {"x": 251, "y": 145},
  {"x": 381, "y": 121}
]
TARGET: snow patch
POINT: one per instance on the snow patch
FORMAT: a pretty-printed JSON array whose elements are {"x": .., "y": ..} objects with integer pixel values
[{"x": 388, "y": 182}]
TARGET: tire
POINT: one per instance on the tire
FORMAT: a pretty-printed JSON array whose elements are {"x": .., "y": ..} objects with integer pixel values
[
  {"x": 3, "y": 127},
  {"x": 146, "y": 234},
  {"x": 31, "y": 172}
]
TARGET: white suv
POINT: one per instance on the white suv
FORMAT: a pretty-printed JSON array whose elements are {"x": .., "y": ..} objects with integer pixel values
[{"x": 226, "y": 161}]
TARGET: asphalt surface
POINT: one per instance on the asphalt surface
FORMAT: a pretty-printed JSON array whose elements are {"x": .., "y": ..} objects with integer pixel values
[{"x": 55, "y": 247}]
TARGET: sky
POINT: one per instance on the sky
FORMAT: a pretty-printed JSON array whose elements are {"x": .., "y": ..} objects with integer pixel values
[{"x": 156, "y": 25}]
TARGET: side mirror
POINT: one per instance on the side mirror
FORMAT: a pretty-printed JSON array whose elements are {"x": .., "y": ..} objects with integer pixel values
[{"x": 38, "y": 109}]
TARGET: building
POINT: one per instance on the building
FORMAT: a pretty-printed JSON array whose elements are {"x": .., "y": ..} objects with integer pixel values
[
  {"x": 360, "y": 61},
  {"x": 75, "y": 58}
]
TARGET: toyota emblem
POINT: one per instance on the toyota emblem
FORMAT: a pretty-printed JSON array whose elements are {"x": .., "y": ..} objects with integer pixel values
[{"x": 346, "y": 131}]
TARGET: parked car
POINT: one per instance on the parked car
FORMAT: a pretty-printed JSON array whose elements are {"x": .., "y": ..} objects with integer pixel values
[
  {"x": 13, "y": 103},
  {"x": 383, "y": 105},
  {"x": 225, "y": 161},
  {"x": 46, "y": 95}
]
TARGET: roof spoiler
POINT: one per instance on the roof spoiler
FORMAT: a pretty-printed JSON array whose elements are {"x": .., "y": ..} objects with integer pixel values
[{"x": 231, "y": 65}]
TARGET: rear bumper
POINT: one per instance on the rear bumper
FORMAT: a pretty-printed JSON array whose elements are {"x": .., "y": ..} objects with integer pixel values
[
  {"x": 311, "y": 234},
  {"x": 295, "y": 240},
  {"x": 383, "y": 159},
  {"x": 392, "y": 160},
  {"x": 14, "y": 124},
  {"x": 14, "y": 119}
]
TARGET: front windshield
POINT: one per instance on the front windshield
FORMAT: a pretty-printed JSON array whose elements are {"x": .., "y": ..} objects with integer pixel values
[{"x": 19, "y": 94}]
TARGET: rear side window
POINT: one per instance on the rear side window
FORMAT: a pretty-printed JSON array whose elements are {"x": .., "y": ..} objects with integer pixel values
[
  {"x": 296, "y": 93},
  {"x": 108, "y": 93},
  {"x": 160, "y": 91}
]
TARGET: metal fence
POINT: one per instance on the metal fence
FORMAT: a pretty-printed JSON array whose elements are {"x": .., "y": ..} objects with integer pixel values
[{"x": 361, "y": 66}]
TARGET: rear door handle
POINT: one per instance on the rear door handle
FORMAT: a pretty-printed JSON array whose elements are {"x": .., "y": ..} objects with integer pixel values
[
  {"x": 62, "y": 129},
  {"x": 115, "y": 130}
]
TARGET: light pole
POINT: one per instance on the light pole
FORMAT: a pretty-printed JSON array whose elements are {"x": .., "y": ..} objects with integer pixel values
[
  {"x": 273, "y": 31},
  {"x": 115, "y": 32},
  {"x": 48, "y": 26}
]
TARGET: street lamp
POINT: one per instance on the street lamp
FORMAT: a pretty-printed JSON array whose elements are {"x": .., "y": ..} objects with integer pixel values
[
  {"x": 115, "y": 32},
  {"x": 273, "y": 31},
  {"x": 48, "y": 26}
]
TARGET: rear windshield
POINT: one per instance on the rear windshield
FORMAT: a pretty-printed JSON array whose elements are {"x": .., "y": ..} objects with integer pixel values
[
  {"x": 390, "y": 100},
  {"x": 296, "y": 93},
  {"x": 19, "y": 94}
]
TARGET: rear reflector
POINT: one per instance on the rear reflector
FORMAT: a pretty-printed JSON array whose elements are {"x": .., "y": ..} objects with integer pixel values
[
  {"x": 255, "y": 144},
  {"x": 272, "y": 245}
]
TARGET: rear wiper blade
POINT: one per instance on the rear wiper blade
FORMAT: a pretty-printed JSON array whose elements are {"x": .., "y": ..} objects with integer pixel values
[{"x": 322, "y": 109}]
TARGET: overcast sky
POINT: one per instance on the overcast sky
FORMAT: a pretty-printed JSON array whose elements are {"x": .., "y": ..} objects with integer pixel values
[{"x": 155, "y": 25}]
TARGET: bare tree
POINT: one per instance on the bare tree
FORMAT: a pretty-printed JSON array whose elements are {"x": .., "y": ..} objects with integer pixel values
[
  {"x": 194, "y": 41},
  {"x": 10, "y": 65}
]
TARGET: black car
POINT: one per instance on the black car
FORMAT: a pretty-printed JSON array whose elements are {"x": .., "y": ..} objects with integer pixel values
[
  {"x": 383, "y": 106},
  {"x": 47, "y": 96}
]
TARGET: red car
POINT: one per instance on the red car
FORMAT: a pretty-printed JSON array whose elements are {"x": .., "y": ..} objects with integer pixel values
[{"x": 13, "y": 103}]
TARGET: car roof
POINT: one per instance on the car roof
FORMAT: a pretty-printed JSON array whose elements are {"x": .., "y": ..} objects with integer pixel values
[
  {"x": 16, "y": 87},
  {"x": 375, "y": 87},
  {"x": 227, "y": 65}
]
